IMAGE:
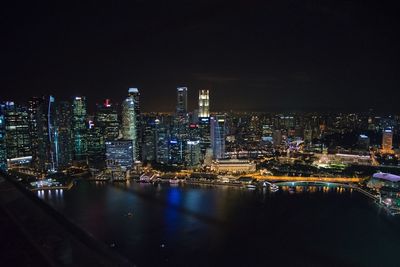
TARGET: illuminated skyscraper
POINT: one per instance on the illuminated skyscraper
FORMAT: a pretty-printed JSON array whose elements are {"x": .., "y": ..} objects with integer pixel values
[
  {"x": 204, "y": 104},
  {"x": 3, "y": 153},
  {"x": 387, "y": 141},
  {"x": 149, "y": 140},
  {"x": 193, "y": 150},
  {"x": 129, "y": 122},
  {"x": 95, "y": 147},
  {"x": 119, "y": 153},
  {"x": 79, "y": 128},
  {"x": 44, "y": 133},
  {"x": 34, "y": 110},
  {"x": 18, "y": 143},
  {"x": 65, "y": 144},
  {"x": 162, "y": 140},
  {"x": 218, "y": 136},
  {"x": 135, "y": 94},
  {"x": 107, "y": 120},
  {"x": 181, "y": 106},
  {"x": 52, "y": 142}
]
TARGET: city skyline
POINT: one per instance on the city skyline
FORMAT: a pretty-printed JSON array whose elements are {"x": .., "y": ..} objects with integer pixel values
[
  {"x": 200, "y": 133},
  {"x": 256, "y": 56}
]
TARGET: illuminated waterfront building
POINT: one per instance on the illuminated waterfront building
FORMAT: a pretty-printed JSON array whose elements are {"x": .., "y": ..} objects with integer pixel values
[
  {"x": 17, "y": 138},
  {"x": 193, "y": 153},
  {"x": 233, "y": 166},
  {"x": 106, "y": 120},
  {"x": 204, "y": 104},
  {"x": 129, "y": 122},
  {"x": 217, "y": 124},
  {"x": 119, "y": 153},
  {"x": 79, "y": 128},
  {"x": 181, "y": 107},
  {"x": 387, "y": 141}
]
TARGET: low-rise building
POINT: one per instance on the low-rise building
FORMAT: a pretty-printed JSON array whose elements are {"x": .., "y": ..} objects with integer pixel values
[{"x": 233, "y": 166}]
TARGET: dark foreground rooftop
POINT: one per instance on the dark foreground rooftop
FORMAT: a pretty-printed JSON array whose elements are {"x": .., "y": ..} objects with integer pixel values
[{"x": 34, "y": 234}]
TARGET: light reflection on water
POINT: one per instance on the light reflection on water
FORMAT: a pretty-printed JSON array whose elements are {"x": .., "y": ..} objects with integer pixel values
[{"x": 200, "y": 223}]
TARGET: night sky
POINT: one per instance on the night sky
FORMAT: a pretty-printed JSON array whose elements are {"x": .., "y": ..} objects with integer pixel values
[{"x": 252, "y": 55}]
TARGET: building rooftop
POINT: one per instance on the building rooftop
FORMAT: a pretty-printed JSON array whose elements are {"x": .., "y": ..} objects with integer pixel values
[{"x": 387, "y": 176}]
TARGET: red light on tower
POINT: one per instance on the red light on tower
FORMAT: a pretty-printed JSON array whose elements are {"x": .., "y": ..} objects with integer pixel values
[{"x": 107, "y": 103}]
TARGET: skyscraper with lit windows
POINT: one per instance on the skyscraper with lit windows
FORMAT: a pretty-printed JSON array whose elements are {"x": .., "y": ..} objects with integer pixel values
[
  {"x": 106, "y": 120},
  {"x": 217, "y": 124},
  {"x": 79, "y": 128},
  {"x": 135, "y": 94},
  {"x": 129, "y": 122},
  {"x": 387, "y": 141},
  {"x": 182, "y": 105},
  {"x": 65, "y": 142},
  {"x": 18, "y": 143},
  {"x": 204, "y": 104},
  {"x": 3, "y": 153}
]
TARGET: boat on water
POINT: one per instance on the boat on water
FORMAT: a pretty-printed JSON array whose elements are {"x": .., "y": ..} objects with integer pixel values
[
  {"x": 251, "y": 186},
  {"x": 173, "y": 181},
  {"x": 274, "y": 188}
]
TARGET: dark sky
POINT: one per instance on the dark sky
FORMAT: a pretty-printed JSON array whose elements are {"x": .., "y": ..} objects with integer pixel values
[{"x": 252, "y": 55}]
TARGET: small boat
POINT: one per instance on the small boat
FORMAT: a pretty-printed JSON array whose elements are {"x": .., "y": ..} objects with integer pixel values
[
  {"x": 251, "y": 186},
  {"x": 173, "y": 181},
  {"x": 274, "y": 188}
]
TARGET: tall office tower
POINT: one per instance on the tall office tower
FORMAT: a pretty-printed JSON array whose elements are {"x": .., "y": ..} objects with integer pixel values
[
  {"x": 387, "y": 141},
  {"x": 193, "y": 153},
  {"x": 162, "y": 140},
  {"x": 149, "y": 146},
  {"x": 3, "y": 152},
  {"x": 51, "y": 143},
  {"x": 135, "y": 94},
  {"x": 65, "y": 142},
  {"x": 106, "y": 120},
  {"x": 204, "y": 104},
  {"x": 44, "y": 133},
  {"x": 178, "y": 138},
  {"x": 129, "y": 122},
  {"x": 218, "y": 136},
  {"x": 17, "y": 137},
  {"x": 181, "y": 106},
  {"x": 79, "y": 128},
  {"x": 34, "y": 106},
  {"x": 205, "y": 135},
  {"x": 95, "y": 147},
  {"x": 193, "y": 150}
]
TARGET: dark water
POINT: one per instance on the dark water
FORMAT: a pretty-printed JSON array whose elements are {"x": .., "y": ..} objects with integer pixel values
[{"x": 193, "y": 225}]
